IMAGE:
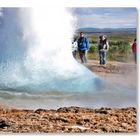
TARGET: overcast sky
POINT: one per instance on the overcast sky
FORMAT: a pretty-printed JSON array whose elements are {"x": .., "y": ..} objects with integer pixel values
[{"x": 106, "y": 17}]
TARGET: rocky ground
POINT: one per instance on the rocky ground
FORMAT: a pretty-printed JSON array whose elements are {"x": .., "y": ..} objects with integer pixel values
[
  {"x": 77, "y": 119},
  {"x": 111, "y": 67},
  {"x": 116, "y": 72},
  {"x": 69, "y": 119}
]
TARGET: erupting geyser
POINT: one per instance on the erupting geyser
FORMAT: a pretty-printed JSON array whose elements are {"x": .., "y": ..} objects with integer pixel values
[
  {"x": 35, "y": 52},
  {"x": 37, "y": 68}
]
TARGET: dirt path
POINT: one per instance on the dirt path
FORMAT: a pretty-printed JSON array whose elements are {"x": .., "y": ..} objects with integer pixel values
[
  {"x": 117, "y": 72},
  {"x": 111, "y": 67}
]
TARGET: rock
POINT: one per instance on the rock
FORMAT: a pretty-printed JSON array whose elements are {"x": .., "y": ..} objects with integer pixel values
[
  {"x": 125, "y": 125},
  {"x": 39, "y": 111},
  {"x": 86, "y": 120},
  {"x": 3, "y": 124}
]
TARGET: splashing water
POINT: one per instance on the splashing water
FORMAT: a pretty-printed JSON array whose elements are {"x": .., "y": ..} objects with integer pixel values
[{"x": 38, "y": 53}]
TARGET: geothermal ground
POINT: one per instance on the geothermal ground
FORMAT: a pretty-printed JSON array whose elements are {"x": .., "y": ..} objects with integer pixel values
[
  {"x": 71, "y": 119},
  {"x": 78, "y": 119},
  {"x": 116, "y": 71}
]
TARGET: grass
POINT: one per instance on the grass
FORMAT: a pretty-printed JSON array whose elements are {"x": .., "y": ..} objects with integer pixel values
[{"x": 119, "y": 50}]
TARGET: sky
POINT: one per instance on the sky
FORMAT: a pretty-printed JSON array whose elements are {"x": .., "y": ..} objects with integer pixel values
[{"x": 106, "y": 17}]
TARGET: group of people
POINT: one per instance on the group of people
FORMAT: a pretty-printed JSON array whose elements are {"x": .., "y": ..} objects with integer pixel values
[{"x": 81, "y": 46}]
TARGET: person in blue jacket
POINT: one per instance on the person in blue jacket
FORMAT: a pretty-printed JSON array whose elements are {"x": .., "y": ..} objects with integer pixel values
[{"x": 83, "y": 47}]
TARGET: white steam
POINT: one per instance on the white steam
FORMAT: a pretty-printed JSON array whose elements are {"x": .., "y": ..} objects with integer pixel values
[{"x": 54, "y": 31}]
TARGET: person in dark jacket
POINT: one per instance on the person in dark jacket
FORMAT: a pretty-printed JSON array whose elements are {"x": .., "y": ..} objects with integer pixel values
[
  {"x": 103, "y": 47},
  {"x": 134, "y": 49},
  {"x": 83, "y": 47}
]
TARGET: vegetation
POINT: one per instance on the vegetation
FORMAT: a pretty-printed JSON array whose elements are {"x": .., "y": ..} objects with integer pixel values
[{"x": 119, "y": 50}]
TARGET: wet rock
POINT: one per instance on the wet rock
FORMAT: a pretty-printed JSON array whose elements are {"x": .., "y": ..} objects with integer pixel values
[
  {"x": 3, "y": 124},
  {"x": 86, "y": 120},
  {"x": 39, "y": 111},
  {"x": 101, "y": 111},
  {"x": 79, "y": 123},
  {"x": 62, "y": 119}
]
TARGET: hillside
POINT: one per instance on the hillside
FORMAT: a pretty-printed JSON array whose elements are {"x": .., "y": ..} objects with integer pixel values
[{"x": 106, "y": 30}]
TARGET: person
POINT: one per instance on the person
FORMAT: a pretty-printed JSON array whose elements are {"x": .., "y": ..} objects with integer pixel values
[
  {"x": 74, "y": 48},
  {"x": 103, "y": 47},
  {"x": 134, "y": 49},
  {"x": 83, "y": 47}
]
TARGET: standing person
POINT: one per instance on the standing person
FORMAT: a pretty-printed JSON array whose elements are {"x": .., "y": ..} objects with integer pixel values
[
  {"x": 103, "y": 47},
  {"x": 74, "y": 47},
  {"x": 134, "y": 49},
  {"x": 83, "y": 47}
]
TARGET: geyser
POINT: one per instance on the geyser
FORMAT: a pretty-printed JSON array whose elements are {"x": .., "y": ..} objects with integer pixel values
[{"x": 35, "y": 52}]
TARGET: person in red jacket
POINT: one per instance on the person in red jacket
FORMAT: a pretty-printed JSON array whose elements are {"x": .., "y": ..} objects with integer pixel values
[{"x": 134, "y": 49}]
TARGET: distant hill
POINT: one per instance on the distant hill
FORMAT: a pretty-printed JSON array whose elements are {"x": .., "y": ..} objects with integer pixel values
[{"x": 106, "y": 30}]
